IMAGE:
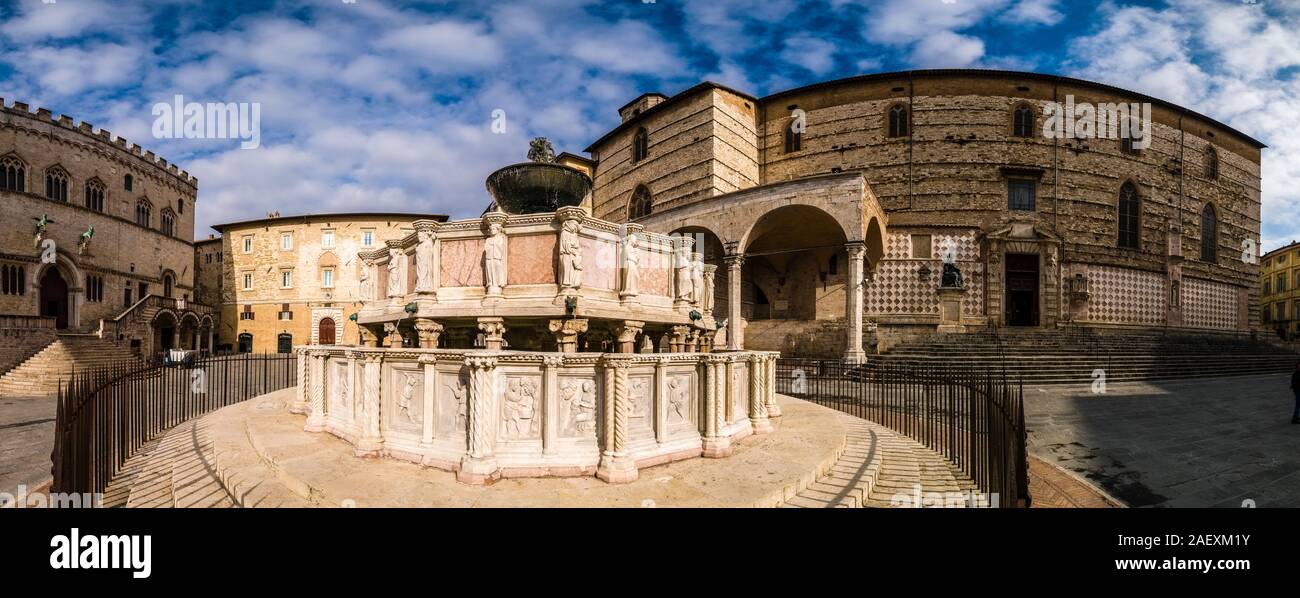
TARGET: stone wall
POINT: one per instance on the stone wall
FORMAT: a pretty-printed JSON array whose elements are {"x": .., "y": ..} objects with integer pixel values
[{"x": 21, "y": 337}]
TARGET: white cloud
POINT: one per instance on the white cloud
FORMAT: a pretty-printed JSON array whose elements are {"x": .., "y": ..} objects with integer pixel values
[
  {"x": 947, "y": 49},
  {"x": 816, "y": 55},
  {"x": 445, "y": 46}
]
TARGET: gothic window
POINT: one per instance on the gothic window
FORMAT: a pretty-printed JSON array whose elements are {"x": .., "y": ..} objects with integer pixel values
[
  {"x": 640, "y": 204},
  {"x": 1022, "y": 124},
  {"x": 143, "y": 212},
  {"x": 1130, "y": 224},
  {"x": 167, "y": 222},
  {"x": 56, "y": 184},
  {"x": 12, "y": 174},
  {"x": 899, "y": 121},
  {"x": 640, "y": 145},
  {"x": 95, "y": 195},
  {"x": 1211, "y": 164},
  {"x": 13, "y": 279},
  {"x": 793, "y": 138},
  {"x": 1209, "y": 234}
]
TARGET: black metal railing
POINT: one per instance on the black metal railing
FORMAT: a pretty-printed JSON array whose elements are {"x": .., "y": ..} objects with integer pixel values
[
  {"x": 104, "y": 416},
  {"x": 975, "y": 418}
]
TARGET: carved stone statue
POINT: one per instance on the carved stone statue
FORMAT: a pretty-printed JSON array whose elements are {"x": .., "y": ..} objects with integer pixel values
[
  {"x": 706, "y": 293},
  {"x": 570, "y": 255},
  {"x": 394, "y": 272},
  {"x": 424, "y": 262},
  {"x": 367, "y": 290},
  {"x": 631, "y": 266},
  {"x": 951, "y": 274},
  {"x": 697, "y": 277},
  {"x": 682, "y": 271},
  {"x": 494, "y": 259},
  {"x": 540, "y": 150}
]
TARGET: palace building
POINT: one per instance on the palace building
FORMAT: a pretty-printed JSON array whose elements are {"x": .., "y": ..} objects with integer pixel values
[
  {"x": 1280, "y": 291},
  {"x": 294, "y": 280},
  {"x": 831, "y": 209},
  {"x": 97, "y": 238}
]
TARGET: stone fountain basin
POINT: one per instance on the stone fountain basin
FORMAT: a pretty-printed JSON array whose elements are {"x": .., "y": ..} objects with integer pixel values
[{"x": 537, "y": 187}]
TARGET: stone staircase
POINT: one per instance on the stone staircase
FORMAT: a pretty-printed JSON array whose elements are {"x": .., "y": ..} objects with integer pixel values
[
  {"x": 42, "y": 373},
  {"x": 1070, "y": 356}
]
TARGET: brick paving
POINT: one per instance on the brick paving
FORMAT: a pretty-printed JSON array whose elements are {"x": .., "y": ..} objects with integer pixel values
[{"x": 26, "y": 441}]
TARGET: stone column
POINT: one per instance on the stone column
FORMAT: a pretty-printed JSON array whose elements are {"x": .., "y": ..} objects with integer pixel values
[
  {"x": 758, "y": 396},
  {"x": 430, "y": 395},
  {"x": 300, "y": 398},
  {"x": 715, "y": 442},
  {"x": 316, "y": 416},
  {"x": 550, "y": 410},
  {"x": 428, "y": 331},
  {"x": 733, "y": 409},
  {"x": 369, "y": 336},
  {"x": 494, "y": 333},
  {"x": 706, "y": 340},
  {"x": 371, "y": 441},
  {"x": 352, "y": 400},
  {"x": 479, "y": 465},
  {"x": 661, "y": 401},
  {"x": 735, "y": 327},
  {"x": 626, "y": 335},
  {"x": 853, "y": 306},
  {"x": 769, "y": 380},
  {"x": 566, "y": 334},
  {"x": 616, "y": 465},
  {"x": 678, "y": 339}
]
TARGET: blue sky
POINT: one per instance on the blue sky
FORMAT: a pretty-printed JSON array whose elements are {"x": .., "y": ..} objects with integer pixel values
[{"x": 379, "y": 105}]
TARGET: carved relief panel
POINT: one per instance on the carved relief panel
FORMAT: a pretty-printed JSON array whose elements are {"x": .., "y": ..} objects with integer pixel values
[
  {"x": 406, "y": 400},
  {"x": 577, "y": 407},
  {"x": 451, "y": 403},
  {"x": 521, "y": 408}
]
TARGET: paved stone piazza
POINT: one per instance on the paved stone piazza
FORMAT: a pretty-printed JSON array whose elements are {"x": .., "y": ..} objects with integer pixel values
[{"x": 1205, "y": 443}]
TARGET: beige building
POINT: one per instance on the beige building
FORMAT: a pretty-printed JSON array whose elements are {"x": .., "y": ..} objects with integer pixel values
[
  {"x": 1280, "y": 291},
  {"x": 829, "y": 208},
  {"x": 294, "y": 280},
  {"x": 97, "y": 235}
]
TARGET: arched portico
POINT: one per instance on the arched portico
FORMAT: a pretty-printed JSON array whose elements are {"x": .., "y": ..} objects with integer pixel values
[
  {"x": 828, "y": 221},
  {"x": 164, "y": 328},
  {"x": 58, "y": 291}
]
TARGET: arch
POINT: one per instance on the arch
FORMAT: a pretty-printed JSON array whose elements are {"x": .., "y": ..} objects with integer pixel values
[
  {"x": 164, "y": 328},
  {"x": 640, "y": 204},
  {"x": 71, "y": 274},
  {"x": 875, "y": 242},
  {"x": 245, "y": 342},
  {"x": 143, "y": 212},
  {"x": 56, "y": 183},
  {"x": 53, "y": 295},
  {"x": 168, "y": 282},
  {"x": 1211, "y": 163},
  {"x": 1024, "y": 119},
  {"x": 814, "y": 221},
  {"x": 95, "y": 192},
  {"x": 326, "y": 331},
  {"x": 13, "y": 173},
  {"x": 898, "y": 121},
  {"x": 284, "y": 343},
  {"x": 640, "y": 145},
  {"x": 1209, "y": 233},
  {"x": 167, "y": 222},
  {"x": 1129, "y": 217}
]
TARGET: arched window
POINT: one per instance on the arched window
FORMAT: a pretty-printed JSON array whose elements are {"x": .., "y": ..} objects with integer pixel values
[
  {"x": 167, "y": 222},
  {"x": 180, "y": 206},
  {"x": 899, "y": 121},
  {"x": 1130, "y": 223},
  {"x": 793, "y": 136},
  {"x": 56, "y": 184},
  {"x": 167, "y": 285},
  {"x": 127, "y": 182},
  {"x": 1022, "y": 121},
  {"x": 1209, "y": 234},
  {"x": 639, "y": 205},
  {"x": 640, "y": 145},
  {"x": 245, "y": 343},
  {"x": 95, "y": 195},
  {"x": 1211, "y": 164},
  {"x": 143, "y": 212},
  {"x": 12, "y": 174}
]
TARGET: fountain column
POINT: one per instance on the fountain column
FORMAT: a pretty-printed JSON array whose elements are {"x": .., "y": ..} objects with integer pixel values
[{"x": 479, "y": 465}]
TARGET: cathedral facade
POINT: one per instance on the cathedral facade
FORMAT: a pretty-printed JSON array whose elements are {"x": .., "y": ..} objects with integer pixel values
[{"x": 848, "y": 215}]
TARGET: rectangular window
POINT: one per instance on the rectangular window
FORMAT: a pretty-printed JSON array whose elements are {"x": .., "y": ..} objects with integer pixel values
[
  {"x": 286, "y": 241},
  {"x": 367, "y": 238},
  {"x": 286, "y": 278},
  {"x": 1267, "y": 313},
  {"x": 1268, "y": 287},
  {"x": 248, "y": 245},
  {"x": 248, "y": 282},
  {"x": 247, "y": 314},
  {"x": 285, "y": 312},
  {"x": 1021, "y": 194},
  {"x": 921, "y": 247},
  {"x": 327, "y": 239},
  {"x": 94, "y": 288},
  {"x": 126, "y": 296},
  {"x": 1281, "y": 283},
  {"x": 327, "y": 278},
  {"x": 219, "y": 258},
  {"x": 207, "y": 259}
]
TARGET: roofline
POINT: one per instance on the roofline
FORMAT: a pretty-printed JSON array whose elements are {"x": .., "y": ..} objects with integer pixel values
[
  {"x": 932, "y": 73},
  {"x": 1282, "y": 248},
  {"x": 576, "y": 157},
  {"x": 634, "y": 100},
  {"x": 698, "y": 87},
  {"x": 221, "y": 228}
]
